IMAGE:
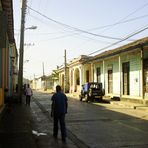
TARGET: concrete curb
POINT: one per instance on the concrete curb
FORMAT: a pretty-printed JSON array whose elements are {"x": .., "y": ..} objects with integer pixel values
[{"x": 130, "y": 105}]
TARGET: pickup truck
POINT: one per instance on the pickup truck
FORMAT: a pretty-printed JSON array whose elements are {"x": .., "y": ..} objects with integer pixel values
[{"x": 92, "y": 91}]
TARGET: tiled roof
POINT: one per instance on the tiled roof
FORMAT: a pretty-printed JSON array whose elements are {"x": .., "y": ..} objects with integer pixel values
[{"x": 127, "y": 47}]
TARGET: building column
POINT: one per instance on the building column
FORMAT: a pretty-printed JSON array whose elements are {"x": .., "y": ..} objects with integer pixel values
[
  {"x": 92, "y": 72},
  {"x": 142, "y": 75},
  {"x": 73, "y": 79},
  {"x": 80, "y": 71},
  {"x": 120, "y": 77},
  {"x": 104, "y": 75}
]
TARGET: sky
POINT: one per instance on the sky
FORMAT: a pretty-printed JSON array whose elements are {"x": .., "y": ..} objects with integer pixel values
[{"x": 81, "y": 27}]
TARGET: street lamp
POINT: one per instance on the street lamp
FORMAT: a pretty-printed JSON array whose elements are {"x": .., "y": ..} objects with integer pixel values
[
  {"x": 26, "y": 61},
  {"x": 32, "y": 27},
  {"x": 21, "y": 50}
]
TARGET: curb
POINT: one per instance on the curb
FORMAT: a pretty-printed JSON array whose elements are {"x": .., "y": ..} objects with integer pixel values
[{"x": 130, "y": 105}]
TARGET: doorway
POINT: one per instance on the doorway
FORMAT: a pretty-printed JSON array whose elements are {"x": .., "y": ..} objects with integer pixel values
[
  {"x": 145, "y": 67},
  {"x": 110, "y": 81},
  {"x": 98, "y": 74},
  {"x": 125, "y": 69}
]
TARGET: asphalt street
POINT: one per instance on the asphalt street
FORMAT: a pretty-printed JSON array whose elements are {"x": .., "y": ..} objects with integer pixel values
[{"x": 94, "y": 125}]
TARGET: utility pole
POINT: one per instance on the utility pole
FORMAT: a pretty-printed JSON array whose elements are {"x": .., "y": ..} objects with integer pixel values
[
  {"x": 21, "y": 50},
  {"x": 65, "y": 72}
]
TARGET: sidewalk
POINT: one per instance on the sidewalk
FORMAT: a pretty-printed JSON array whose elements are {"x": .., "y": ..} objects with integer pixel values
[
  {"x": 15, "y": 127},
  {"x": 124, "y": 104},
  {"x": 129, "y": 104}
]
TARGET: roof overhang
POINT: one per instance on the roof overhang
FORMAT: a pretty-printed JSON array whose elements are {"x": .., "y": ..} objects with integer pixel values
[
  {"x": 123, "y": 49},
  {"x": 7, "y": 7}
]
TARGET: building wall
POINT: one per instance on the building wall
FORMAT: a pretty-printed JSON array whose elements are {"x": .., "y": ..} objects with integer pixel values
[
  {"x": 39, "y": 84},
  {"x": 36, "y": 84},
  {"x": 61, "y": 79},
  {"x": 4, "y": 47},
  {"x": 55, "y": 83},
  {"x": 86, "y": 67},
  {"x": 145, "y": 56},
  {"x": 74, "y": 73},
  {"x": 112, "y": 64},
  {"x": 10, "y": 73},
  {"x": 135, "y": 73},
  {"x": 99, "y": 65},
  {"x": 115, "y": 63}
]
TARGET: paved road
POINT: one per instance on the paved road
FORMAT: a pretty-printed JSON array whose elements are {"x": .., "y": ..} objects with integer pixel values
[{"x": 95, "y": 125}]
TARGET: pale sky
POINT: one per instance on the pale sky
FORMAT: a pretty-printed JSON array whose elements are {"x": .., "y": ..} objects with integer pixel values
[{"x": 79, "y": 26}]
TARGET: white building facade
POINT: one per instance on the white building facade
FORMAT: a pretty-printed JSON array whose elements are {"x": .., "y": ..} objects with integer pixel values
[{"x": 124, "y": 71}]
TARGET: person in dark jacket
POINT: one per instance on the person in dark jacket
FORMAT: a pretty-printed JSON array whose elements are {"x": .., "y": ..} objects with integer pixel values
[{"x": 58, "y": 111}]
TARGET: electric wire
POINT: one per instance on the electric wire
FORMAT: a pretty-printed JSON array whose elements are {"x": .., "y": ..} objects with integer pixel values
[
  {"x": 101, "y": 27},
  {"x": 121, "y": 22},
  {"x": 74, "y": 28},
  {"x": 71, "y": 33},
  {"x": 125, "y": 38},
  {"x": 86, "y": 32},
  {"x": 67, "y": 35},
  {"x": 141, "y": 7},
  {"x": 96, "y": 40},
  {"x": 90, "y": 33}
]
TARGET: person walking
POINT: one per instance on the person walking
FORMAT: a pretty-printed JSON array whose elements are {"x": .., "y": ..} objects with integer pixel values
[
  {"x": 28, "y": 93},
  {"x": 58, "y": 110}
]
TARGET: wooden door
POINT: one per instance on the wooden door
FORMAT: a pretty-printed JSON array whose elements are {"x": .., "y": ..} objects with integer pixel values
[
  {"x": 87, "y": 75},
  {"x": 125, "y": 69},
  {"x": 145, "y": 67},
  {"x": 110, "y": 81},
  {"x": 98, "y": 74}
]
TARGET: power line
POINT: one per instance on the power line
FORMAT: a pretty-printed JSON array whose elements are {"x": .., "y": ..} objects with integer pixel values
[
  {"x": 127, "y": 37},
  {"x": 121, "y": 22},
  {"x": 74, "y": 28},
  {"x": 66, "y": 35},
  {"x": 72, "y": 34},
  {"x": 135, "y": 11},
  {"x": 101, "y": 27},
  {"x": 141, "y": 7},
  {"x": 86, "y": 32}
]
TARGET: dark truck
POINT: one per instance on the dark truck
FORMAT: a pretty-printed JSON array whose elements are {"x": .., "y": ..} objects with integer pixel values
[{"x": 92, "y": 91}]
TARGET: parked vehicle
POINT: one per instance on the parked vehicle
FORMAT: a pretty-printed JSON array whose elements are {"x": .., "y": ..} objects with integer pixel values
[{"x": 92, "y": 91}]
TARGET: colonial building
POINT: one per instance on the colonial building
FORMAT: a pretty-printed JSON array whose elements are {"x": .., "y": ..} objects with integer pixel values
[
  {"x": 39, "y": 83},
  {"x": 124, "y": 70},
  {"x": 46, "y": 83},
  {"x": 76, "y": 74},
  {"x": 79, "y": 73},
  {"x": 8, "y": 51},
  {"x": 63, "y": 73}
]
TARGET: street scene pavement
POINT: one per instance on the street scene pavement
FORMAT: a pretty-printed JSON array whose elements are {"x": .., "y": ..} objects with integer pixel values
[
  {"x": 95, "y": 125},
  {"x": 89, "y": 125}
]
